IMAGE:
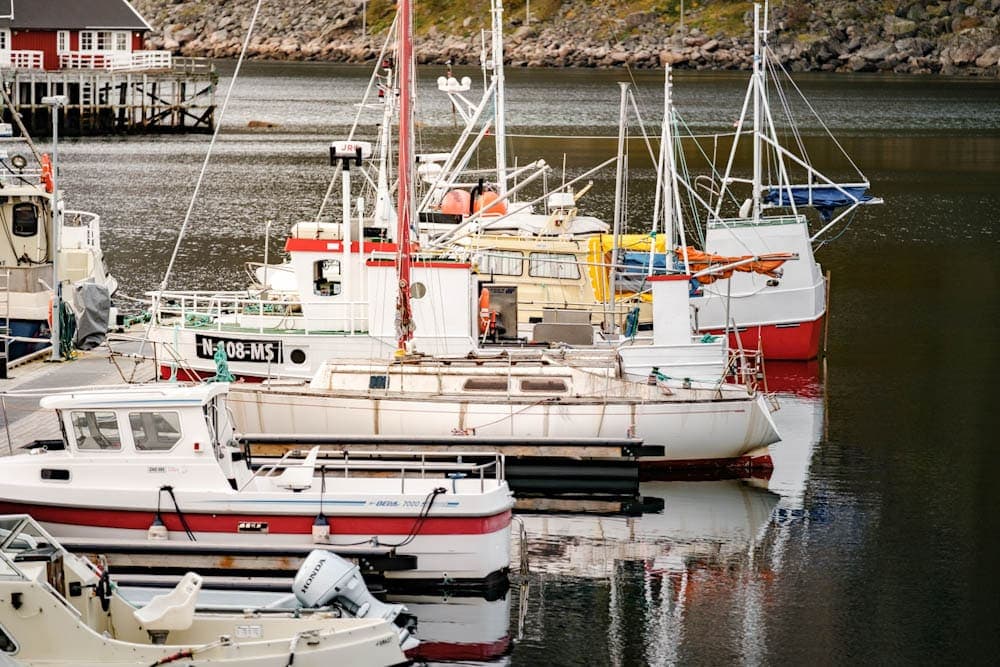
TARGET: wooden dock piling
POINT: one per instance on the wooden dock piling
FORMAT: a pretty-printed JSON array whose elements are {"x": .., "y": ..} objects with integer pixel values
[{"x": 178, "y": 99}]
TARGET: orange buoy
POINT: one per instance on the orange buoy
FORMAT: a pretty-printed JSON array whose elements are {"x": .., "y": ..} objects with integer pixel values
[
  {"x": 456, "y": 202},
  {"x": 47, "y": 172},
  {"x": 485, "y": 316},
  {"x": 487, "y": 201}
]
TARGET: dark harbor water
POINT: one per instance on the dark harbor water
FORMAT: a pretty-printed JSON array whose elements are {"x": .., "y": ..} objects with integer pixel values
[{"x": 878, "y": 538}]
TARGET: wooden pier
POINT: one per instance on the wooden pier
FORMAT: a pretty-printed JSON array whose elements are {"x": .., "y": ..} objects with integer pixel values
[{"x": 180, "y": 98}]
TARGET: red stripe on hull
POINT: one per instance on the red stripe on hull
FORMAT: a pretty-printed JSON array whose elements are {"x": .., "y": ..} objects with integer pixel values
[
  {"x": 789, "y": 342},
  {"x": 276, "y": 524}
]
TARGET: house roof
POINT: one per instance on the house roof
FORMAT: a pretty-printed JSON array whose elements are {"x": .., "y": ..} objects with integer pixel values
[{"x": 72, "y": 15}]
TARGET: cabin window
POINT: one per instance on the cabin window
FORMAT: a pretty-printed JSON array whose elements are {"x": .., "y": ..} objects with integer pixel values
[
  {"x": 25, "y": 221},
  {"x": 155, "y": 431},
  {"x": 5, "y": 39},
  {"x": 96, "y": 430},
  {"x": 326, "y": 277},
  {"x": 485, "y": 384},
  {"x": 7, "y": 643},
  {"x": 501, "y": 263},
  {"x": 543, "y": 384},
  {"x": 62, "y": 41},
  {"x": 86, "y": 40},
  {"x": 121, "y": 41},
  {"x": 103, "y": 40},
  {"x": 553, "y": 265}
]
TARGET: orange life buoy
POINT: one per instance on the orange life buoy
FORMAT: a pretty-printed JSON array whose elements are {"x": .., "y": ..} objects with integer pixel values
[
  {"x": 47, "y": 173},
  {"x": 486, "y": 318}
]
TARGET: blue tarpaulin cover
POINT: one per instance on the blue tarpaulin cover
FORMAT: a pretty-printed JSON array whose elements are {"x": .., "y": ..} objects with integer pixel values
[{"x": 824, "y": 198}]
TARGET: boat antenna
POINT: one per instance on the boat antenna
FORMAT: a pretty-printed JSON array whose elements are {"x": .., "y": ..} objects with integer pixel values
[{"x": 404, "y": 204}]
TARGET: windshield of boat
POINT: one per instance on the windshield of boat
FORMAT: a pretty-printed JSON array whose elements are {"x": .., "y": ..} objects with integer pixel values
[{"x": 23, "y": 540}]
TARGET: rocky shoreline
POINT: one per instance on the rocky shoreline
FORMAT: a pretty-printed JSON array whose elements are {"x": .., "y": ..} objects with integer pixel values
[{"x": 950, "y": 37}]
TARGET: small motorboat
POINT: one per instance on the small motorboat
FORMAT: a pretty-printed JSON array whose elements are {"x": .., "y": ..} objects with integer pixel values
[
  {"x": 161, "y": 462},
  {"x": 61, "y": 609}
]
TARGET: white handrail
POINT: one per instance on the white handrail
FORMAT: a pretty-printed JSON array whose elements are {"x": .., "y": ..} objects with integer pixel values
[{"x": 116, "y": 61}]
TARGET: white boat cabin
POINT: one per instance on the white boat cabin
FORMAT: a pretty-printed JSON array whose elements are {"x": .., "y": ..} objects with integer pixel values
[{"x": 163, "y": 424}]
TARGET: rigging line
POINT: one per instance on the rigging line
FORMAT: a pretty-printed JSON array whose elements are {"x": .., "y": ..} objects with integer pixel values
[
  {"x": 787, "y": 109},
  {"x": 208, "y": 153},
  {"x": 818, "y": 118},
  {"x": 716, "y": 174}
]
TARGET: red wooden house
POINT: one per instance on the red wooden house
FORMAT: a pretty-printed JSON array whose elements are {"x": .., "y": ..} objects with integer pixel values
[{"x": 72, "y": 34}]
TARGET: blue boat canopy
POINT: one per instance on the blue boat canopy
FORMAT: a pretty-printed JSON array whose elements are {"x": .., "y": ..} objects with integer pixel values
[{"x": 824, "y": 198}]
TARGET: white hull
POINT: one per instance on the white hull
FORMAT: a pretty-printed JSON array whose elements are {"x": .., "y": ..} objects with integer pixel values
[
  {"x": 692, "y": 431},
  {"x": 748, "y": 298}
]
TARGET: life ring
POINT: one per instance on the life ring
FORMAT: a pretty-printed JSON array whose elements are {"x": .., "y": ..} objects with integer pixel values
[
  {"x": 486, "y": 318},
  {"x": 47, "y": 173}
]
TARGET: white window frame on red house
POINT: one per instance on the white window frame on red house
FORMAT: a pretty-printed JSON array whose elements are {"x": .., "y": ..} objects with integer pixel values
[
  {"x": 4, "y": 39},
  {"x": 62, "y": 41},
  {"x": 105, "y": 41}
]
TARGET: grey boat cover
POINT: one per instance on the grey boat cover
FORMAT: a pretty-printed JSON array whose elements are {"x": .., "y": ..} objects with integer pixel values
[{"x": 92, "y": 304}]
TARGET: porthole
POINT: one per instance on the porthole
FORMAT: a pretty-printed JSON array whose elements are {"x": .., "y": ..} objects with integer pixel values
[
  {"x": 298, "y": 357},
  {"x": 418, "y": 291}
]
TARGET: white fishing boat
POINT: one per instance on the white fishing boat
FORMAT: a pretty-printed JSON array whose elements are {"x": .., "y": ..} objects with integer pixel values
[
  {"x": 161, "y": 462},
  {"x": 63, "y": 610},
  {"x": 785, "y": 313},
  {"x": 35, "y": 222}
]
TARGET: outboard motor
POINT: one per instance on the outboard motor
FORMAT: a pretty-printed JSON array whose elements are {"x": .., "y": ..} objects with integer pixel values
[{"x": 325, "y": 577}]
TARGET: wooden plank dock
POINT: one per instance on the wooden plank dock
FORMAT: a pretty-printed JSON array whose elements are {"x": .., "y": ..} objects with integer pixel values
[
  {"x": 180, "y": 98},
  {"x": 21, "y": 421}
]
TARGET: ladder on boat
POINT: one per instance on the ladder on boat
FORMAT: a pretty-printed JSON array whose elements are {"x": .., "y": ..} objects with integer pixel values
[{"x": 4, "y": 321}]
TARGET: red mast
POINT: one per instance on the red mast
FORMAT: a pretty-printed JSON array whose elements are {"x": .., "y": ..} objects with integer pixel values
[{"x": 404, "y": 205}]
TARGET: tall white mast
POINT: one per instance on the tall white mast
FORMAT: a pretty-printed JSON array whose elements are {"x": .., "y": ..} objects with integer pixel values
[
  {"x": 609, "y": 316},
  {"x": 758, "y": 77},
  {"x": 499, "y": 109}
]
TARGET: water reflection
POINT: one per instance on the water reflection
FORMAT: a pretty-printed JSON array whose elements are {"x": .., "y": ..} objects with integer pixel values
[
  {"x": 460, "y": 629},
  {"x": 705, "y": 566}
]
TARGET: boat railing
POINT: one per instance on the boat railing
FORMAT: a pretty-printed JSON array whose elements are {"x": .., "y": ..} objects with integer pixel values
[
  {"x": 764, "y": 221},
  {"x": 32, "y": 177},
  {"x": 81, "y": 228},
  {"x": 207, "y": 310},
  {"x": 408, "y": 465}
]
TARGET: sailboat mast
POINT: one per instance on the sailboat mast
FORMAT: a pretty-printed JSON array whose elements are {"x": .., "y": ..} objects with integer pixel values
[
  {"x": 499, "y": 101},
  {"x": 404, "y": 207},
  {"x": 609, "y": 313},
  {"x": 758, "y": 75}
]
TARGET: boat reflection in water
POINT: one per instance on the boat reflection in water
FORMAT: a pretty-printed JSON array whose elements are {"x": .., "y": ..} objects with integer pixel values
[
  {"x": 704, "y": 566},
  {"x": 460, "y": 629}
]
